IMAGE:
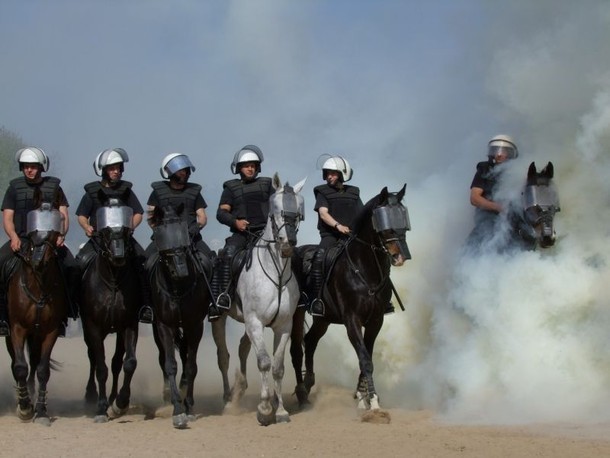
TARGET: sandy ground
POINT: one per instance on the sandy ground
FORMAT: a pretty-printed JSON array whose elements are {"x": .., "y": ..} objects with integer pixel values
[{"x": 331, "y": 427}]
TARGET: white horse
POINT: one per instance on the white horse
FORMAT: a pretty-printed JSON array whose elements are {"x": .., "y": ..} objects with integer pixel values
[{"x": 266, "y": 295}]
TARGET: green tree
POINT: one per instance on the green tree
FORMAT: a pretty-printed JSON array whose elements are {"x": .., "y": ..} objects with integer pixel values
[{"x": 10, "y": 143}]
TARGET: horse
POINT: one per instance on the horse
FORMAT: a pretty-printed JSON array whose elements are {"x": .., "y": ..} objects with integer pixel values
[
  {"x": 266, "y": 295},
  {"x": 110, "y": 299},
  {"x": 180, "y": 297},
  {"x": 356, "y": 292},
  {"x": 540, "y": 202},
  {"x": 37, "y": 304}
]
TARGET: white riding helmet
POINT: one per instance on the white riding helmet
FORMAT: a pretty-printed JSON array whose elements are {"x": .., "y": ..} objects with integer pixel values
[
  {"x": 502, "y": 143},
  {"x": 174, "y": 162},
  {"x": 32, "y": 155},
  {"x": 109, "y": 157},
  {"x": 249, "y": 153},
  {"x": 340, "y": 165}
]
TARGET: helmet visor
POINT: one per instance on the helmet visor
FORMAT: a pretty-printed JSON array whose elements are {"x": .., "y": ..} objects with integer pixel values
[{"x": 179, "y": 163}]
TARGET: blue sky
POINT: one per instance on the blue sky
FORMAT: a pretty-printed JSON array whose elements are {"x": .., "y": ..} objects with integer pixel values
[{"x": 409, "y": 92}]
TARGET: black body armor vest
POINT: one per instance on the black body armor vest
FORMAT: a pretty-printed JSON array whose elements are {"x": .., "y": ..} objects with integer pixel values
[
  {"x": 251, "y": 201},
  {"x": 49, "y": 189},
  {"x": 187, "y": 196},
  {"x": 342, "y": 205}
]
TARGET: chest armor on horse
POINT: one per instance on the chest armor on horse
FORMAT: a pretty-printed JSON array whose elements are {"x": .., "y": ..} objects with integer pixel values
[
  {"x": 49, "y": 189},
  {"x": 118, "y": 192},
  {"x": 251, "y": 201},
  {"x": 188, "y": 196}
]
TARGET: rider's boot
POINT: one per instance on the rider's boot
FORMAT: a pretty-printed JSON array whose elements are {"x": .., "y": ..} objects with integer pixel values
[
  {"x": 213, "y": 311},
  {"x": 145, "y": 314},
  {"x": 316, "y": 307},
  {"x": 389, "y": 308},
  {"x": 5, "y": 330},
  {"x": 220, "y": 284}
]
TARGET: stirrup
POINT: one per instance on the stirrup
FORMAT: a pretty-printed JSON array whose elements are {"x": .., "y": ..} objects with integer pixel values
[
  {"x": 303, "y": 299},
  {"x": 223, "y": 301},
  {"x": 213, "y": 312},
  {"x": 316, "y": 307},
  {"x": 5, "y": 330},
  {"x": 146, "y": 314}
]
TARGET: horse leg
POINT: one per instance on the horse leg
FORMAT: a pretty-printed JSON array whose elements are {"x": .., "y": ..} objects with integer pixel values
[
  {"x": 354, "y": 333},
  {"x": 371, "y": 331},
  {"x": 265, "y": 410},
  {"x": 313, "y": 336},
  {"x": 222, "y": 354},
  {"x": 166, "y": 337},
  {"x": 130, "y": 336},
  {"x": 192, "y": 340},
  {"x": 115, "y": 366},
  {"x": 241, "y": 381},
  {"x": 296, "y": 354},
  {"x": 91, "y": 388},
  {"x": 43, "y": 373},
  {"x": 33, "y": 345},
  {"x": 19, "y": 367},
  {"x": 183, "y": 352},
  {"x": 159, "y": 343},
  {"x": 280, "y": 341},
  {"x": 96, "y": 346}
]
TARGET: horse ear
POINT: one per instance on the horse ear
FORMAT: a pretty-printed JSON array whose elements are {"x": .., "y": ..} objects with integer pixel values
[
  {"x": 277, "y": 183},
  {"x": 383, "y": 195},
  {"x": 297, "y": 187},
  {"x": 548, "y": 170},
  {"x": 401, "y": 193},
  {"x": 531, "y": 171}
]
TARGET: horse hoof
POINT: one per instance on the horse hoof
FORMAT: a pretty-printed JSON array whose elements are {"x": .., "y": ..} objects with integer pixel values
[
  {"x": 309, "y": 380},
  {"x": 265, "y": 419},
  {"x": 44, "y": 421},
  {"x": 117, "y": 411},
  {"x": 285, "y": 418},
  {"x": 25, "y": 414},
  {"x": 180, "y": 421},
  {"x": 100, "y": 419},
  {"x": 302, "y": 395}
]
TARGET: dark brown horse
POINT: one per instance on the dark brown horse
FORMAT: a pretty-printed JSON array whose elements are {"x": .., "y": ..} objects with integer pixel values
[
  {"x": 356, "y": 292},
  {"x": 180, "y": 297},
  {"x": 110, "y": 299},
  {"x": 37, "y": 305}
]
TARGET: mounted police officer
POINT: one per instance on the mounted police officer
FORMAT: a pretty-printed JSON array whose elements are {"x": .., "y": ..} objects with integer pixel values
[
  {"x": 244, "y": 207},
  {"x": 500, "y": 150},
  {"x": 336, "y": 203},
  {"x": 176, "y": 169},
  {"x": 110, "y": 165},
  {"x": 18, "y": 201}
]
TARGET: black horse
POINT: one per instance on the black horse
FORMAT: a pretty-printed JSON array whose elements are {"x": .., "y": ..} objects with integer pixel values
[
  {"x": 180, "y": 297},
  {"x": 357, "y": 291},
  {"x": 37, "y": 305},
  {"x": 110, "y": 299}
]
